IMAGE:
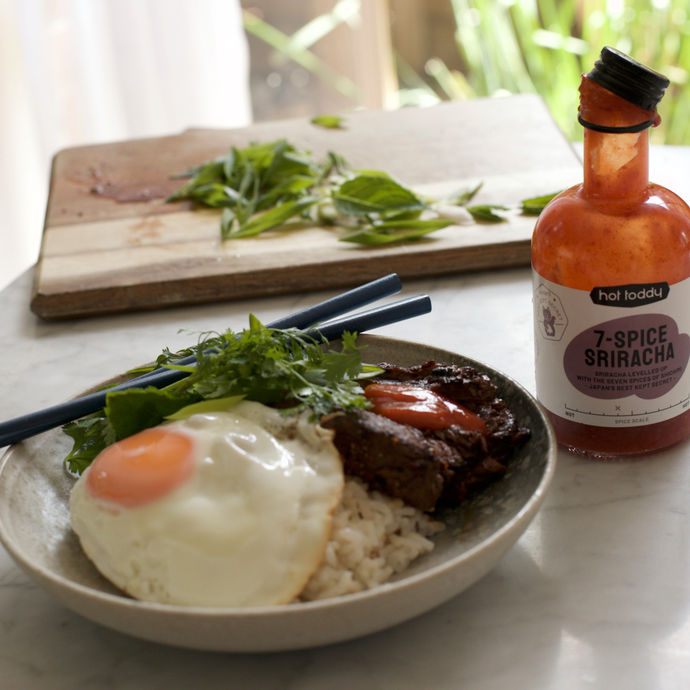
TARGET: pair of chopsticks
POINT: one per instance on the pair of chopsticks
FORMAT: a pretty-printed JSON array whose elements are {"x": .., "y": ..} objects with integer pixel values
[{"x": 321, "y": 318}]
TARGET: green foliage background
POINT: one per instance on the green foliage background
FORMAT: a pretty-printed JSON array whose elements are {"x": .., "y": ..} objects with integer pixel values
[
  {"x": 543, "y": 46},
  {"x": 528, "y": 46}
]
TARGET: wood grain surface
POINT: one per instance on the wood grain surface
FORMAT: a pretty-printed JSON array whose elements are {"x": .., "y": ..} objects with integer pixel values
[{"x": 111, "y": 244}]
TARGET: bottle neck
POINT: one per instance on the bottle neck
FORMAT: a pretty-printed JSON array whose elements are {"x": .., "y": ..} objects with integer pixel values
[{"x": 616, "y": 165}]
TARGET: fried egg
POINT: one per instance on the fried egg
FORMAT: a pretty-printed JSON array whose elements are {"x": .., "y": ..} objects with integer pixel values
[{"x": 222, "y": 509}]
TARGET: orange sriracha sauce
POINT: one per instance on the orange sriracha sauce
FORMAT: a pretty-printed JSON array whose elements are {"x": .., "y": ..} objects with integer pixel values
[{"x": 420, "y": 408}]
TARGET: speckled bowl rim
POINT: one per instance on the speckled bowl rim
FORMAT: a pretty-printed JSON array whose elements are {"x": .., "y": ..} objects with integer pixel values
[{"x": 514, "y": 527}]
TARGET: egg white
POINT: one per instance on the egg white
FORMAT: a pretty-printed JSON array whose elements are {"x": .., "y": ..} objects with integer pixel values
[{"x": 249, "y": 527}]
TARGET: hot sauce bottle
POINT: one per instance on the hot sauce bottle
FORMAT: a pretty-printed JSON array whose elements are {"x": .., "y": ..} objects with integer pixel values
[{"x": 611, "y": 275}]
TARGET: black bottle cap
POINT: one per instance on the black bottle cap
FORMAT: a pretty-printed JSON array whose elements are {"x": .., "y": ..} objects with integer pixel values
[{"x": 629, "y": 79}]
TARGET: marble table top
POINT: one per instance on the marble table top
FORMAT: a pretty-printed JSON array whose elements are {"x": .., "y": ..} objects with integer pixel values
[{"x": 596, "y": 594}]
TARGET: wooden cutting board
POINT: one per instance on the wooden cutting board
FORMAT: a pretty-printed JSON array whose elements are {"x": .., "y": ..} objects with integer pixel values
[{"x": 111, "y": 244}]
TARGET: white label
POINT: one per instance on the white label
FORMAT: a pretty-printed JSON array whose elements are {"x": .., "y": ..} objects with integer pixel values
[{"x": 613, "y": 357}]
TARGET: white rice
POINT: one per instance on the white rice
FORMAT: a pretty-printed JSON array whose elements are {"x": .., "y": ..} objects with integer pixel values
[{"x": 374, "y": 536}]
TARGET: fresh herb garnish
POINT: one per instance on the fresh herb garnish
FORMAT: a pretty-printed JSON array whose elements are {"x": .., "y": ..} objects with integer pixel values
[
  {"x": 486, "y": 213},
  {"x": 252, "y": 180},
  {"x": 328, "y": 121},
  {"x": 372, "y": 192},
  {"x": 463, "y": 196},
  {"x": 534, "y": 206},
  {"x": 395, "y": 231},
  {"x": 267, "y": 186},
  {"x": 89, "y": 436},
  {"x": 271, "y": 366}
]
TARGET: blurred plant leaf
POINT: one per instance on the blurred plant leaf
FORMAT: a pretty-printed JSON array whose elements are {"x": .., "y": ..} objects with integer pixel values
[
  {"x": 534, "y": 206},
  {"x": 328, "y": 121},
  {"x": 395, "y": 231},
  {"x": 463, "y": 196},
  {"x": 283, "y": 44},
  {"x": 486, "y": 213}
]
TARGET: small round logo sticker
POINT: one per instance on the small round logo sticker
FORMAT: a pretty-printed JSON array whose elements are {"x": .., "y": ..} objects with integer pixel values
[{"x": 549, "y": 313}]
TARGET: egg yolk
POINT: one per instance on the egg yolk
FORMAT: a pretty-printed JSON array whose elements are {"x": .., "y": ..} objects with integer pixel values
[
  {"x": 142, "y": 468},
  {"x": 420, "y": 408}
]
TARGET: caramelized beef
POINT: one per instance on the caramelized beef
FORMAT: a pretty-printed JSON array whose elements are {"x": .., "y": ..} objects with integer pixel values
[
  {"x": 463, "y": 385},
  {"x": 428, "y": 468},
  {"x": 467, "y": 387},
  {"x": 392, "y": 458}
]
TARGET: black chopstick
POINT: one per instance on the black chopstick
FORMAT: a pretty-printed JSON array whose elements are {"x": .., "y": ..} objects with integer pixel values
[
  {"x": 341, "y": 304},
  {"x": 329, "y": 309},
  {"x": 18, "y": 429},
  {"x": 375, "y": 318}
]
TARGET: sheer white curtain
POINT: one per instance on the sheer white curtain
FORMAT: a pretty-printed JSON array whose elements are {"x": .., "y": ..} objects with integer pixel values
[{"x": 78, "y": 72}]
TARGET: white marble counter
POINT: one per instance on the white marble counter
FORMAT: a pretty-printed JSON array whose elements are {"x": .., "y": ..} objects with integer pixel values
[{"x": 596, "y": 594}]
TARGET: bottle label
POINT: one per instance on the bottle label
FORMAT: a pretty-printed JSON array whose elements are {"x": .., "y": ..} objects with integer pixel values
[{"x": 613, "y": 357}]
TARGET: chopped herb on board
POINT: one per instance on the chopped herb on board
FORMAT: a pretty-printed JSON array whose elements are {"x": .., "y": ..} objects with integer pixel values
[
  {"x": 328, "y": 121},
  {"x": 486, "y": 213},
  {"x": 463, "y": 196},
  {"x": 534, "y": 206},
  {"x": 275, "y": 186}
]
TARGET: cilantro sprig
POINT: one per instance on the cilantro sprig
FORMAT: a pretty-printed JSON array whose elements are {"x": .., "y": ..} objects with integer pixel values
[{"x": 284, "y": 368}]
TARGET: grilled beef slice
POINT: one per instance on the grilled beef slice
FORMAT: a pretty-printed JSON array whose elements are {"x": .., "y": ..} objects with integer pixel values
[
  {"x": 463, "y": 385},
  {"x": 427, "y": 468},
  {"x": 392, "y": 458}
]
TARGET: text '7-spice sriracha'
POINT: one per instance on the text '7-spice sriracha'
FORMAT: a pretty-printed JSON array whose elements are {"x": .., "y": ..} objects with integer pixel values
[{"x": 611, "y": 269}]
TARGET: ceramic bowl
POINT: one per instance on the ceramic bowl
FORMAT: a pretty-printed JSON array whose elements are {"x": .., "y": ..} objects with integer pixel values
[{"x": 35, "y": 529}]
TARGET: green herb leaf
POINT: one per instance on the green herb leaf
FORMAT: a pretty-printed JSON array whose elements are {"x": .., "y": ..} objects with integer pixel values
[
  {"x": 463, "y": 196},
  {"x": 275, "y": 366},
  {"x": 89, "y": 441},
  {"x": 131, "y": 411},
  {"x": 261, "y": 364},
  {"x": 336, "y": 163},
  {"x": 263, "y": 186},
  {"x": 534, "y": 206},
  {"x": 273, "y": 218},
  {"x": 403, "y": 216},
  {"x": 395, "y": 231},
  {"x": 226, "y": 221},
  {"x": 229, "y": 163},
  {"x": 374, "y": 193},
  {"x": 328, "y": 121},
  {"x": 486, "y": 213},
  {"x": 289, "y": 189}
]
